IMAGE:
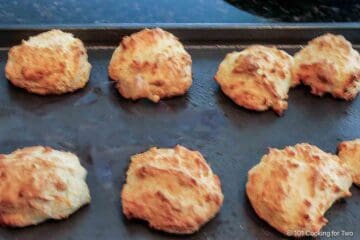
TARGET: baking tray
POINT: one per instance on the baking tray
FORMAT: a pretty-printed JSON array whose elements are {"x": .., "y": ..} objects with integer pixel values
[{"x": 104, "y": 129}]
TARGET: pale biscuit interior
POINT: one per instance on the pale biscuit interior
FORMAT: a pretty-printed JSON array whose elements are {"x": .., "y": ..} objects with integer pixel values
[{"x": 349, "y": 152}]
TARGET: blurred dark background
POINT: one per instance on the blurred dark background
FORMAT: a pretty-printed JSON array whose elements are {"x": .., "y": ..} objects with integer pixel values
[{"x": 176, "y": 11}]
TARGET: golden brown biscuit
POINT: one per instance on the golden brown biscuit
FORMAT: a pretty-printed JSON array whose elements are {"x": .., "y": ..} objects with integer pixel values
[
  {"x": 52, "y": 62},
  {"x": 329, "y": 64},
  {"x": 257, "y": 78},
  {"x": 151, "y": 64},
  {"x": 173, "y": 189},
  {"x": 349, "y": 152},
  {"x": 291, "y": 189},
  {"x": 40, "y": 183}
]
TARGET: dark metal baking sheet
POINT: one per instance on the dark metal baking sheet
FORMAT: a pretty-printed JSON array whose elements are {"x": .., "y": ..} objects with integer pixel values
[{"x": 104, "y": 129}]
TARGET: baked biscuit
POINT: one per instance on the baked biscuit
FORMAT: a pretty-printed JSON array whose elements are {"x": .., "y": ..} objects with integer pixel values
[
  {"x": 329, "y": 64},
  {"x": 40, "y": 183},
  {"x": 151, "y": 64},
  {"x": 349, "y": 152},
  {"x": 291, "y": 189},
  {"x": 257, "y": 78},
  {"x": 52, "y": 62},
  {"x": 173, "y": 189}
]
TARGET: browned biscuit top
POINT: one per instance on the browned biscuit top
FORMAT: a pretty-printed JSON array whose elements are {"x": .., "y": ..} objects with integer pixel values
[
  {"x": 257, "y": 78},
  {"x": 53, "y": 62},
  {"x": 173, "y": 189},
  {"x": 151, "y": 64},
  {"x": 292, "y": 188},
  {"x": 329, "y": 64},
  {"x": 39, "y": 183}
]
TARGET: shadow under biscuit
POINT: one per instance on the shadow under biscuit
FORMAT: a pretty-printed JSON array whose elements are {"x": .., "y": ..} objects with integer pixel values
[
  {"x": 241, "y": 116},
  {"x": 42, "y": 104},
  {"x": 145, "y": 106}
]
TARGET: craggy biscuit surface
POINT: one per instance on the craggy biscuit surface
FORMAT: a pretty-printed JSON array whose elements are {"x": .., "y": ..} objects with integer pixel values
[
  {"x": 291, "y": 189},
  {"x": 151, "y": 64},
  {"x": 349, "y": 152},
  {"x": 40, "y": 183},
  {"x": 173, "y": 189},
  {"x": 257, "y": 78},
  {"x": 329, "y": 64},
  {"x": 52, "y": 62}
]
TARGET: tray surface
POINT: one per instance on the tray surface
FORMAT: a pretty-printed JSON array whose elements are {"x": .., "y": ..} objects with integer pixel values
[{"x": 104, "y": 130}]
